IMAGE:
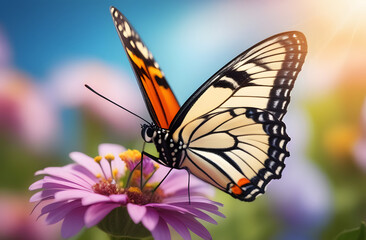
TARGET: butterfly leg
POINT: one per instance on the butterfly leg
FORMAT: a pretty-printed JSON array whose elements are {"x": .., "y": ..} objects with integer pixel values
[
  {"x": 158, "y": 161},
  {"x": 189, "y": 185},
  {"x": 129, "y": 177},
  {"x": 162, "y": 180},
  {"x": 142, "y": 163}
]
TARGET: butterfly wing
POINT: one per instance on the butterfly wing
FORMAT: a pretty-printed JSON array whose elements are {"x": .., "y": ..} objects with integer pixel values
[
  {"x": 158, "y": 96},
  {"x": 232, "y": 126},
  {"x": 238, "y": 150}
]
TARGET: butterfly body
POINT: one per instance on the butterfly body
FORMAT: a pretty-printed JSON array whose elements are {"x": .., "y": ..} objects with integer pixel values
[
  {"x": 172, "y": 153},
  {"x": 230, "y": 132}
]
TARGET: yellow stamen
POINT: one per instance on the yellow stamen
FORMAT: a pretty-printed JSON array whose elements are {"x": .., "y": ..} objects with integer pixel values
[
  {"x": 122, "y": 156},
  {"x": 136, "y": 155},
  {"x": 130, "y": 155},
  {"x": 97, "y": 159},
  {"x": 109, "y": 157},
  {"x": 149, "y": 185},
  {"x": 98, "y": 175},
  {"x": 115, "y": 172},
  {"x": 134, "y": 189}
]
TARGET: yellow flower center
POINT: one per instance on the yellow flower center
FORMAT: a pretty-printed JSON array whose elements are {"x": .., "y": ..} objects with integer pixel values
[{"x": 130, "y": 182}]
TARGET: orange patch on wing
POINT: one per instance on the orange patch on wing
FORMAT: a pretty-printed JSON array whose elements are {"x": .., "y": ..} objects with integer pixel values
[
  {"x": 138, "y": 61},
  {"x": 163, "y": 101},
  {"x": 236, "y": 189}
]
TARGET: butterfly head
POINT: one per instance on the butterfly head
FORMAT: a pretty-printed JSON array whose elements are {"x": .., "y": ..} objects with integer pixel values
[{"x": 148, "y": 132}]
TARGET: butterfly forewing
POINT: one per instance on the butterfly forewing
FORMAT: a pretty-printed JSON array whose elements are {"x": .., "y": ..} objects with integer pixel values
[
  {"x": 158, "y": 96},
  {"x": 261, "y": 77}
]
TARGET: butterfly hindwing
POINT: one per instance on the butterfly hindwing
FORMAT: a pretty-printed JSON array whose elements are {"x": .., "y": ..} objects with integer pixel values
[
  {"x": 158, "y": 96},
  {"x": 232, "y": 125},
  {"x": 238, "y": 150}
]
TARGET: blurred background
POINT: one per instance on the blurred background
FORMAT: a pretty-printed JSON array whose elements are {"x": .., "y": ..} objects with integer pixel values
[{"x": 50, "y": 49}]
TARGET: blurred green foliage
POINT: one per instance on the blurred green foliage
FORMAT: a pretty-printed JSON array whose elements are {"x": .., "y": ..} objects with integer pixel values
[{"x": 353, "y": 234}]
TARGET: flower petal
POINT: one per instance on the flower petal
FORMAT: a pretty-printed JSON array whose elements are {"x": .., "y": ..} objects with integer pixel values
[
  {"x": 161, "y": 231},
  {"x": 151, "y": 219},
  {"x": 36, "y": 185},
  {"x": 118, "y": 198},
  {"x": 86, "y": 162},
  {"x": 202, "y": 215},
  {"x": 52, "y": 206},
  {"x": 94, "y": 198},
  {"x": 57, "y": 214},
  {"x": 114, "y": 149},
  {"x": 177, "y": 181},
  {"x": 77, "y": 169},
  {"x": 136, "y": 212},
  {"x": 173, "y": 220},
  {"x": 207, "y": 206},
  {"x": 50, "y": 183},
  {"x": 38, "y": 196},
  {"x": 64, "y": 173},
  {"x": 97, "y": 212},
  {"x": 120, "y": 165},
  {"x": 196, "y": 226},
  {"x": 167, "y": 207},
  {"x": 73, "y": 222},
  {"x": 79, "y": 194},
  {"x": 106, "y": 168}
]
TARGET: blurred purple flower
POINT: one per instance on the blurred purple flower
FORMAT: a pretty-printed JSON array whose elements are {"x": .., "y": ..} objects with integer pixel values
[
  {"x": 360, "y": 145},
  {"x": 67, "y": 87},
  {"x": 302, "y": 198},
  {"x": 25, "y": 113},
  {"x": 17, "y": 223},
  {"x": 90, "y": 191}
]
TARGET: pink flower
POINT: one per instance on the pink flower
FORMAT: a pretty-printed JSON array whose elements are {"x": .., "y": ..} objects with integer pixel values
[
  {"x": 26, "y": 115},
  {"x": 17, "y": 223},
  {"x": 106, "y": 191}
]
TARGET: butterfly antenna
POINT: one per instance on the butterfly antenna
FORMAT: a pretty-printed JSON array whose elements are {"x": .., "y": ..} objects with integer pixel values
[{"x": 100, "y": 95}]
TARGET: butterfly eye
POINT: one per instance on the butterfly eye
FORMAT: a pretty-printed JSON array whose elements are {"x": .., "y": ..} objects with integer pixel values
[{"x": 147, "y": 133}]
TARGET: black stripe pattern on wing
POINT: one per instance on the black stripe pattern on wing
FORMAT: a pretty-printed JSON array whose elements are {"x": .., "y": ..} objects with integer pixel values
[
  {"x": 273, "y": 65},
  {"x": 261, "y": 77},
  {"x": 245, "y": 143},
  {"x": 277, "y": 152}
]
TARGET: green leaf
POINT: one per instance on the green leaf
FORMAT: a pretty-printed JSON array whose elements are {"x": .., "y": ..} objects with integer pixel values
[{"x": 353, "y": 234}]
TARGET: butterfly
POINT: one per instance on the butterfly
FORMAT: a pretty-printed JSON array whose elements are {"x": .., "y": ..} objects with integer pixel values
[{"x": 230, "y": 132}]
